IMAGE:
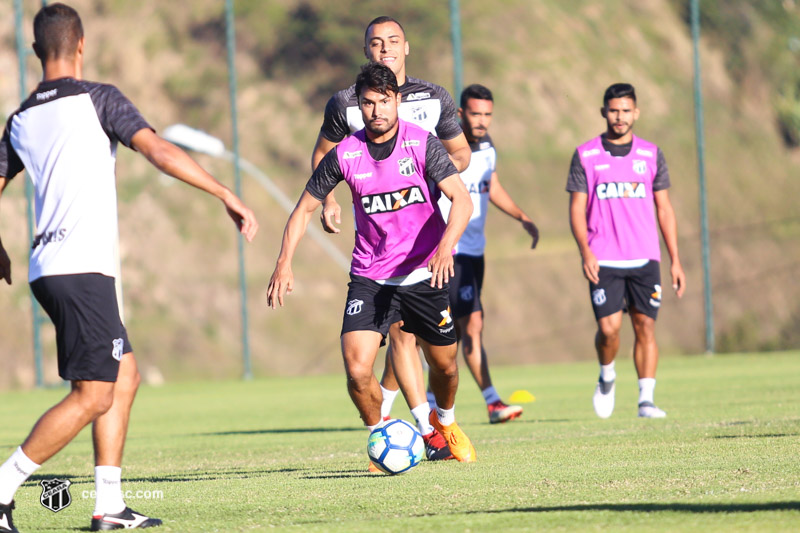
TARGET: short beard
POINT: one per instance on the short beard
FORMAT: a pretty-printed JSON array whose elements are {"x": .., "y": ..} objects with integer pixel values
[{"x": 386, "y": 128}]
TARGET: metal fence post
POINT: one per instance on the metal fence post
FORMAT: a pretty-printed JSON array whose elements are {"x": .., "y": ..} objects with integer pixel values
[
  {"x": 230, "y": 37},
  {"x": 698, "y": 105},
  {"x": 22, "y": 53},
  {"x": 458, "y": 63}
]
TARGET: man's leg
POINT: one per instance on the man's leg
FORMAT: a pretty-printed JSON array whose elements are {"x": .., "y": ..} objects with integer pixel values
[
  {"x": 606, "y": 343},
  {"x": 389, "y": 386},
  {"x": 55, "y": 429},
  {"x": 408, "y": 371},
  {"x": 108, "y": 434},
  {"x": 403, "y": 370},
  {"x": 359, "y": 349},
  {"x": 444, "y": 384},
  {"x": 470, "y": 330},
  {"x": 110, "y": 429},
  {"x": 645, "y": 358}
]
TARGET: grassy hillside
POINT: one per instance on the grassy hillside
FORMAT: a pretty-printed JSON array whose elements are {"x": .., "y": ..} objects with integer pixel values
[{"x": 547, "y": 63}]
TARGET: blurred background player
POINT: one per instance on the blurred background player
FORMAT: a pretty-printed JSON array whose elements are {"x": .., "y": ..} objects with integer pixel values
[
  {"x": 65, "y": 134},
  {"x": 432, "y": 108},
  {"x": 402, "y": 257},
  {"x": 483, "y": 185},
  {"x": 614, "y": 181}
]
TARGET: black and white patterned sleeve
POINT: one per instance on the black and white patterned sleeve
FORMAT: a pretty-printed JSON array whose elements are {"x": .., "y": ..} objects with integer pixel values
[
  {"x": 325, "y": 178},
  {"x": 437, "y": 163},
  {"x": 334, "y": 125},
  {"x": 119, "y": 117},
  {"x": 448, "y": 126},
  {"x": 661, "y": 181},
  {"x": 576, "y": 181},
  {"x": 10, "y": 163}
]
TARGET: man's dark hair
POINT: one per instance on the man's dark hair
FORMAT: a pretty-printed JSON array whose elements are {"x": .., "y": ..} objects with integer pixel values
[
  {"x": 382, "y": 20},
  {"x": 619, "y": 90},
  {"x": 476, "y": 91},
  {"x": 378, "y": 77},
  {"x": 57, "y": 29}
]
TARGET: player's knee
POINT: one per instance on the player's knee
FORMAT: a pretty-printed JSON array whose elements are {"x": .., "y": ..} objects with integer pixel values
[
  {"x": 607, "y": 331},
  {"x": 444, "y": 362},
  {"x": 96, "y": 402},
  {"x": 359, "y": 374},
  {"x": 645, "y": 333},
  {"x": 133, "y": 381},
  {"x": 644, "y": 327},
  {"x": 474, "y": 325}
]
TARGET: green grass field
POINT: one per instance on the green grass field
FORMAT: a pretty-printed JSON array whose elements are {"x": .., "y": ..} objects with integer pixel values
[{"x": 289, "y": 453}]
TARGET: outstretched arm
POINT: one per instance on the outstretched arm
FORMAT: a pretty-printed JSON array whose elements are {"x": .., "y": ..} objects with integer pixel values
[
  {"x": 331, "y": 210},
  {"x": 174, "y": 162},
  {"x": 5, "y": 261},
  {"x": 282, "y": 280},
  {"x": 669, "y": 229},
  {"x": 441, "y": 264},
  {"x": 577, "y": 221},
  {"x": 500, "y": 198},
  {"x": 459, "y": 151}
]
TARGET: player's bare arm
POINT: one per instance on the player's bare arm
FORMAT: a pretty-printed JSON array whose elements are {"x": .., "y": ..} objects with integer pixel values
[
  {"x": 282, "y": 280},
  {"x": 459, "y": 151},
  {"x": 503, "y": 201},
  {"x": 331, "y": 215},
  {"x": 669, "y": 229},
  {"x": 577, "y": 221},
  {"x": 441, "y": 264},
  {"x": 174, "y": 162},
  {"x": 5, "y": 261}
]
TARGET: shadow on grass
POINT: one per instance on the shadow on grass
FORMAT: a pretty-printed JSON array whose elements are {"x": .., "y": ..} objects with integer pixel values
[
  {"x": 343, "y": 474},
  {"x": 278, "y": 431},
  {"x": 36, "y": 478},
  {"x": 172, "y": 478},
  {"x": 762, "y": 436},
  {"x": 211, "y": 476},
  {"x": 518, "y": 421},
  {"x": 699, "y": 508}
]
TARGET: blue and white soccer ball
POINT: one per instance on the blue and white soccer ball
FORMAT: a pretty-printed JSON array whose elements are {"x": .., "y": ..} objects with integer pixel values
[{"x": 395, "y": 447}]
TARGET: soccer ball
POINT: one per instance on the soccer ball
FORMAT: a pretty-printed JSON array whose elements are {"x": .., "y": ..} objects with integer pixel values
[{"x": 395, "y": 447}]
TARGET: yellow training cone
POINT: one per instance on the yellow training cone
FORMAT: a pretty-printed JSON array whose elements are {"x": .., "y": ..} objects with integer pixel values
[{"x": 521, "y": 396}]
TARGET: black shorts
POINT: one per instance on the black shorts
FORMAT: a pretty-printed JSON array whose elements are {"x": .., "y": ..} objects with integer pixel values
[
  {"x": 625, "y": 288},
  {"x": 89, "y": 333},
  {"x": 466, "y": 285},
  {"x": 424, "y": 310}
]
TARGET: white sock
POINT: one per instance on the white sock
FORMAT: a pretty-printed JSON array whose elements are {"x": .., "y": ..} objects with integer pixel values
[
  {"x": 647, "y": 387},
  {"x": 371, "y": 428},
  {"x": 13, "y": 473},
  {"x": 431, "y": 400},
  {"x": 446, "y": 416},
  {"x": 108, "y": 486},
  {"x": 421, "y": 414},
  {"x": 490, "y": 395},
  {"x": 388, "y": 400},
  {"x": 607, "y": 372}
]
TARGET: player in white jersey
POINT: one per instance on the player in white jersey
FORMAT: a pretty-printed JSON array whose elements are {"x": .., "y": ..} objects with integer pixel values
[
  {"x": 484, "y": 186},
  {"x": 65, "y": 134},
  {"x": 432, "y": 108}
]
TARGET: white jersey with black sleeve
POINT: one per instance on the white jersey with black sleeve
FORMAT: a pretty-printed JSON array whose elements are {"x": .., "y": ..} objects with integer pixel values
[
  {"x": 65, "y": 134},
  {"x": 477, "y": 178},
  {"x": 425, "y": 104}
]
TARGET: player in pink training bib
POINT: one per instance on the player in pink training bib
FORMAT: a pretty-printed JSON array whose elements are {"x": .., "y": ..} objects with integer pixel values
[
  {"x": 403, "y": 254},
  {"x": 618, "y": 193}
]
